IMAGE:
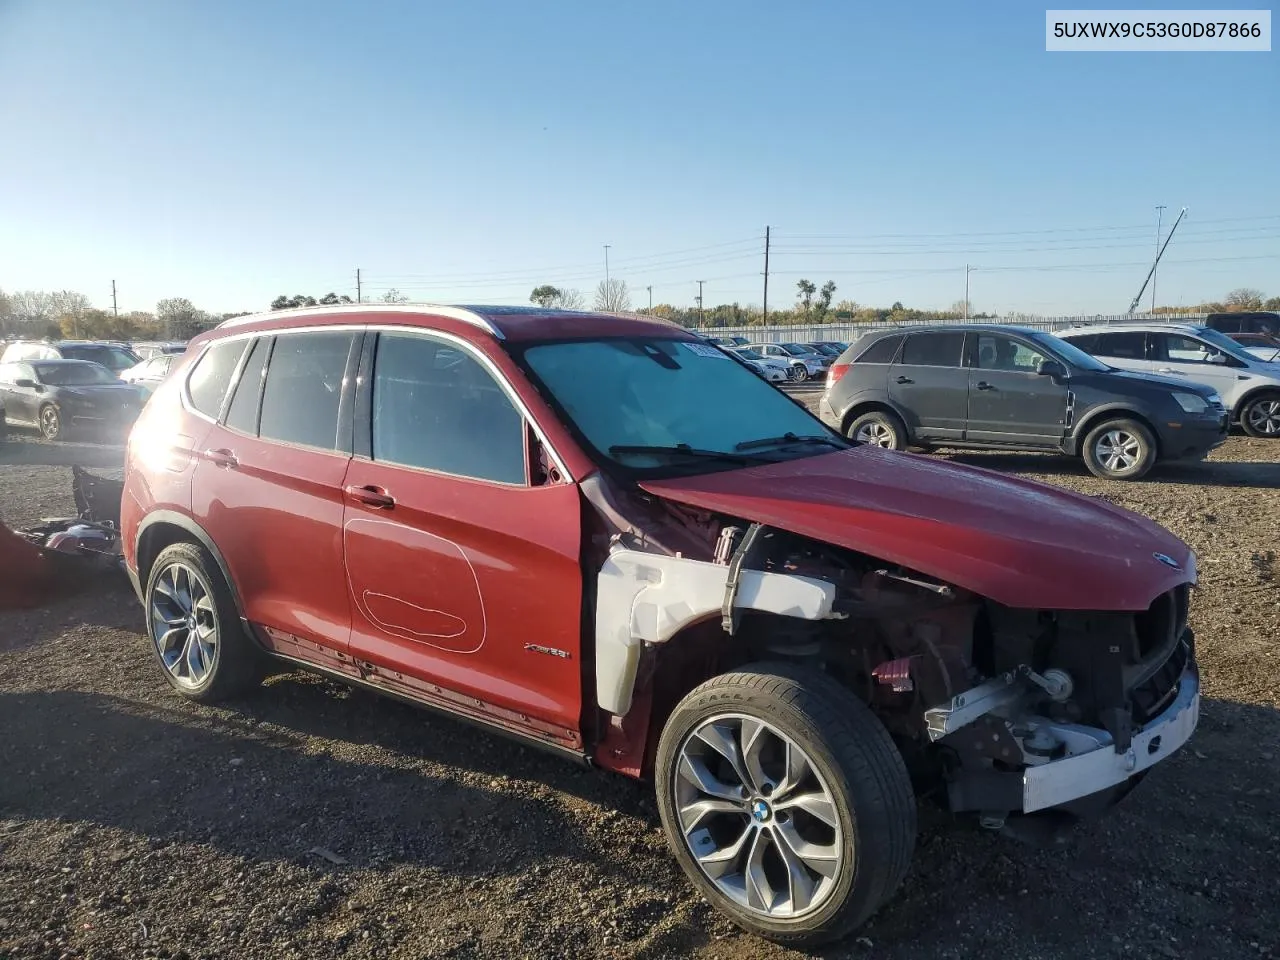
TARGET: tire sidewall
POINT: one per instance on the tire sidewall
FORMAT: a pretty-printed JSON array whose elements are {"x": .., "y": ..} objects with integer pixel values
[
  {"x": 725, "y": 700},
  {"x": 193, "y": 557},
  {"x": 1145, "y": 461}
]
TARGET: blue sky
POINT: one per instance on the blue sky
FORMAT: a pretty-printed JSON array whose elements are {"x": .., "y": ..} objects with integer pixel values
[{"x": 231, "y": 151}]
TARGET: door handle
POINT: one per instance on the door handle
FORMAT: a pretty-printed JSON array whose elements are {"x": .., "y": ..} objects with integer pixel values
[
  {"x": 222, "y": 457},
  {"x": 983, "y": 385},
  {"x": 371, "y": 496},
  {"x": 904, "y": 380}
]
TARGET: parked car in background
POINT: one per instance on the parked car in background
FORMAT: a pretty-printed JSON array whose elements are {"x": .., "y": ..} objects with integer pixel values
[
  {"x": 148, "y": 350},
  {"x": 1261, "y": 345},
  {"x": 57, "y": 396},
  {"x": 114, "y": 357},
  {"x": 805, "y": 362},
  {"x": 729, "y": 341},
  {"x": 828, "y": 348},
  {"x": 1000, "y": 387},
  {"x": 773, "y": 370},
  {"x": 607, "y": 539},
  {"x": 1194, "y": 353},
  {"x": 1251, "y": 321},
  {"x": 149, "y": 374}
]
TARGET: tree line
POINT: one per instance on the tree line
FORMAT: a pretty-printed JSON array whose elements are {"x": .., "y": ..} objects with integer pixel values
[
  {"x": 1238, "y": 300},
  {"x": 36, "y": 314}
]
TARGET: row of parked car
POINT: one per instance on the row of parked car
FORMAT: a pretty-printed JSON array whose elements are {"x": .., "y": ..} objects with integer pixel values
[
  {"x": 1120, "y": 396},
  {"x": 56, "y": 386},
  {"x": 779, "y": 362}
]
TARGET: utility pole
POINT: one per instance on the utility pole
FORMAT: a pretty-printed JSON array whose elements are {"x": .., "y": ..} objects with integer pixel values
[
  {"x": 115, "y": 309},
  {"x": 606, "y": 268},
  {"x": 766, "y": 275},
  {"x": 1159, "y": 220},
  {"x": 650, "y": 289},
  {"x": 1150, "y": 273},
  {"x": 966, "y": 291},
  {"x": 700, "y": 283},
  {"x": 359, "y": 290}
]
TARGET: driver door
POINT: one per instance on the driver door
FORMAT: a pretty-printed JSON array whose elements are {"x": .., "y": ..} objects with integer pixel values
[{"x": 1009, "y": 402}]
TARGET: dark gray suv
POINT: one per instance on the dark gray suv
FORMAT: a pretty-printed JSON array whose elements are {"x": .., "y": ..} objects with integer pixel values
[{"x": 1000, "y": 387}]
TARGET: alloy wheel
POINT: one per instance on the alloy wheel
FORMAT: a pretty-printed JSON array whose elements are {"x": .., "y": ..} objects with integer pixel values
[
  {"x": 1264, "y": 417},
  {"x": 874, "y": 434},
  {"x": 50, "y": 423},
  {"x": 758, "y": 817},
  {"x": 184, "y": 624},
  {"x": 1118, "y": 450}
]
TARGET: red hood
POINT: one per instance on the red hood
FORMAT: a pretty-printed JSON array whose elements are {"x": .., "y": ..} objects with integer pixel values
[{"x": 1021, "y": 543}]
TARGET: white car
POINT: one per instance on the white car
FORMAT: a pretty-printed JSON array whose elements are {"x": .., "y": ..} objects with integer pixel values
[
  {"x": 150, "y": 373},
  {"x": 773, "y": 370},
  {"x": 1249, "y": 385},
  {"x": 804, "y": 362}
]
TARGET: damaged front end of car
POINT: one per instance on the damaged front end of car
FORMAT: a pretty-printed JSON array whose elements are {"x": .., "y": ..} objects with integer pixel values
[{"x": 998, "y": 710}]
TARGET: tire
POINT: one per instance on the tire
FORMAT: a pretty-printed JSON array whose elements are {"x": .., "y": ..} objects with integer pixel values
[
  {"x": 227, "y": 666},
  {"x": 50, "y": 423},
  {"x": 852, "y": 774},
  {"x": 878, "y": 428},
  {"x": 1119, "y": 450},
  {"x": 1260, "y": 417},
  {"x": 802, "y": 373}
]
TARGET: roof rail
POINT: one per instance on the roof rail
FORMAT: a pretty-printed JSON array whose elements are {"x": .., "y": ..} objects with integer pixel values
[{"x": 443, "y": 310}]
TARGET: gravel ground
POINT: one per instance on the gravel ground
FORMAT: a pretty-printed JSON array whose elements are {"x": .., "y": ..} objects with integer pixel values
[{"x": 313, "y": 821}]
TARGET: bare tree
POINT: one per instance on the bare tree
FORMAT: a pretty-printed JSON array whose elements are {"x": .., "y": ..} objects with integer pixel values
[
  {"x": 394, "y": 296},
  {"x": 6, "y": 313},
  {"x": 612, "y": 296},
  {"x": 570, "y": 299},
  {"x": 179, "y": 318},
  {"x": 562, "y": 298},
  {"x": 1244, "y": 298}
]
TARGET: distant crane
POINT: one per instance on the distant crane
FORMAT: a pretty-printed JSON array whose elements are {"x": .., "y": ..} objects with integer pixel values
[{"x": 1134, "y": 305}]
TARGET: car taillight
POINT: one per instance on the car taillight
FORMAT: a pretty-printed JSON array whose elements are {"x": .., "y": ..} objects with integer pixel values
[{"x": 835, "y": 372}]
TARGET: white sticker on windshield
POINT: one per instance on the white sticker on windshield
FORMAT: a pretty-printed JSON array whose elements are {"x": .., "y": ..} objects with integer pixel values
[{"x": 707, "y": 350}]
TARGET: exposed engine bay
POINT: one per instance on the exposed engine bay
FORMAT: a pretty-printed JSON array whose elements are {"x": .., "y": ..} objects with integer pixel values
[{"x": 985, "y": 701}]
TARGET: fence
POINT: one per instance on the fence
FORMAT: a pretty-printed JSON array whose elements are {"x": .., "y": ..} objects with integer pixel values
[{"x": 848, "y": 332}]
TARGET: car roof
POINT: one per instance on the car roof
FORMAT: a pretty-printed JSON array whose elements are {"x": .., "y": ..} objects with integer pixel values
[
  {"x": 1137, "y": 327},
  {"x": 513, "y": 323},
  {"x": 955, "y": 328},
  {"x": 35, "y": 362}
]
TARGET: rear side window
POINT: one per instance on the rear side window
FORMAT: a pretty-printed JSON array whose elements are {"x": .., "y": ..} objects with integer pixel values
[
  {"x": 1088, "y": 342},
  {"x": 1262, "y": 324},
  {"x": 211, "y": 376},
  {"x": 242, "y": 415},
  {"x": 1128, "y": 346},
  {"x": 881, "y": 351},
  {"x": 303, "y": 389},
  {"x": 436, "y": 407},
  {"x": 1226, "y": 324},
  {"x": 933, "y": 350}
]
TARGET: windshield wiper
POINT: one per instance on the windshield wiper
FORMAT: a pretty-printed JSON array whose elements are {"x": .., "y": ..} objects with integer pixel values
[
  {"x": 787, "y": 438},
  {"x": 683, "y": 449}
]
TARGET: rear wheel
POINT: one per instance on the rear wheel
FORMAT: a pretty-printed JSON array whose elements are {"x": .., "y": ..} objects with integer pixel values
[
  {"x": 1261, "y": 416},
  {"x": 878, "y": 428},
  {"x": 51, "y": 423},
  {"x": 786, "y": 802},
  {"x": 801, "y": 373},
  {"x": 1119, "y": 450},
  {"x": 195, "y": 629}
]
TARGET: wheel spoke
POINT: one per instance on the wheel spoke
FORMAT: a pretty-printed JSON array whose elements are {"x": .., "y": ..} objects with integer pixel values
[
  {"x": 822, "y": 859},
  {"x": 692, "y": 815},
  {"x": 760, "y": 893},
  {"x": 720, "y": 739},
  {"x": 695, "y": 772},
  {"x": 754, "y": 734},
  {"x": 797, "y": 768},
  {"x": 800, "y": 885},
  {"x": 723, "y": 861},
  {"x": 817, "y": 805}
]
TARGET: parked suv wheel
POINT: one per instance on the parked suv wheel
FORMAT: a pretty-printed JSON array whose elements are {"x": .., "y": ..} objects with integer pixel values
[
  {"x": 800, "y": 373},
  {"x": 1261, "y": 416},
  {"x": 879, "y": 428},
  {"x": 1119, "y": 450},
  {"x": 786, "y": 802},
  {"x": 195, "y": 629},
  {"x": 50, "y": 422}
]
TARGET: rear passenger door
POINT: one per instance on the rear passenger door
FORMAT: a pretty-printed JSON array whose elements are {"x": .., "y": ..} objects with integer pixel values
[
  {"x": 1125, "y": 350},
  {"x": 930, "y": 385},
  {"x": 463, "y": 560},
  {"x": 268, "y": 488}
]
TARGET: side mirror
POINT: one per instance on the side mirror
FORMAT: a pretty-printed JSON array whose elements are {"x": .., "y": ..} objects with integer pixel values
[
  {"x": 1051, "y": 368},
  {"x": 24, "y": 382}
]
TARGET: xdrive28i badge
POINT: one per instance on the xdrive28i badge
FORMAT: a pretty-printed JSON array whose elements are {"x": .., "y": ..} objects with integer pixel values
[{"x": 1167, "y": 560}]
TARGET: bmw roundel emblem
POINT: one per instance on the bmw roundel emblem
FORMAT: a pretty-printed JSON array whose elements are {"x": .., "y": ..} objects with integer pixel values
[
  {"x": 1167, "y": 560},
  {"x": 760, "y": 811}
]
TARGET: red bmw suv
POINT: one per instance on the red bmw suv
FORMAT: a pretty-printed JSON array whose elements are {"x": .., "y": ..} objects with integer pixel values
[{"x": 613, "y": 540}]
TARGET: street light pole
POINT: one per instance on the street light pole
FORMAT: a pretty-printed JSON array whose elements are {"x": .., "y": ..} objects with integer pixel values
[
  {"x": 700, "y": 283},
  {"x": 967, "y": 268},
  {"x": 606, "y": 267},
  {"x": 650, "y": 289}
]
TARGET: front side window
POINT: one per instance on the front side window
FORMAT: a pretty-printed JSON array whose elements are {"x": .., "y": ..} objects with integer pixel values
[
  {"x": 652, "y": 404},
  {"x": 933, "y": 349},
  {"x": 67, "y": 374},
  {"x": 1004, "y": 353},
  {"x": 436, "y": 407},
  {"x": 303, "y": 389},
  {"x": 211, "y": 376},
  {"x": 1179, "y": 349}
]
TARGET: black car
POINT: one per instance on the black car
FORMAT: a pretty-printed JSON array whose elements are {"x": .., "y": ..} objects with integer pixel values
[
  {"x": 1012, "y": 388},
  {"x": 57, "y": 395},
  {"x": 1252, "y": 321}
]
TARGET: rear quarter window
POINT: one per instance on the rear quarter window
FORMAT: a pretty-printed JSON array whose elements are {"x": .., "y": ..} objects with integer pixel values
[
  {"x": 882, "y": 351},
  {"x": 211, "y": 376},
  {"x": 1127, "y": 346}
]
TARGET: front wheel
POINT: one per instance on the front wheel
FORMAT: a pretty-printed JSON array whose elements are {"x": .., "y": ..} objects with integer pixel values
[
  {"x": 50, "y": 423},
  {"x": 1261, "y": 416},
  {"x": 786, "y": 802},
  {"x": 801, "y": 373},
  {"x": 1119, "y": 450}
]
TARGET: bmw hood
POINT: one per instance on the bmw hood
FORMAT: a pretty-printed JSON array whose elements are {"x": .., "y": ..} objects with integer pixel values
[{"x": 1023, "y": 544}]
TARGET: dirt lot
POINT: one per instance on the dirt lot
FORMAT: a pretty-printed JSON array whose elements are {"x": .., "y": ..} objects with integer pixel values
[{"x": 314, "y": 822}]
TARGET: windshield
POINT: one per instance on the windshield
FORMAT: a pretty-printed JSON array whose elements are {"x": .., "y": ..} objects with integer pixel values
[
  {"x": 1224, "y": 343},
  {"x": 1071, "y": 353},
  {"x": 748, "y": 354},
  {"x": 660, "y": 393},
  {"x": 66, "y": 374},
  {"x": 797, "y": 349},
  {"x": 113, "y": 358}
]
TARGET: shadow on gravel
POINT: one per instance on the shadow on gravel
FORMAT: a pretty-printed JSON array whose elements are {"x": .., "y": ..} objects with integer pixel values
[
  {"x": 29, "y": 452},
  {"x": 103, "y": 600},
  {"x": 1209, "y": 473},
  {"x": 254, "y": 793}
]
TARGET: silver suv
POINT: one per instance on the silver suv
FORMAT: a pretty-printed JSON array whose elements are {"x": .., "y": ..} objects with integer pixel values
[{"x": 1250, "y": 386}]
